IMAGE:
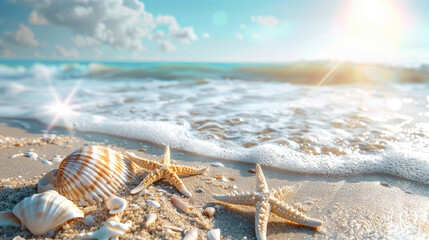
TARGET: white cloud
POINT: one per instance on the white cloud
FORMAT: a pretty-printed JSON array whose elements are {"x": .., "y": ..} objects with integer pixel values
[
  {"x": 168, "y": 20},
  {"x": 72, "y": 53},
  {"x": 158, "y": 34},
  {"x": 242, "y": 26},
  {"x": 23, "y": 36},
  {"x": 166, "y": 46},
  {"x": 80, "y": 41},
  {"x": 266, "y": 21},
  {"x": 239, "y": 36},
  {"x": 184, "y": 35},
  {"x": 206, "y": 35},
  {"x": 118, "y": 23},
  {"x": 36, "y": 19}
]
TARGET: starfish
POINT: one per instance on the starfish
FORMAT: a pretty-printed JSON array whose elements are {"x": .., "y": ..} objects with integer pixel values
[
  {"x": 111, "y": 229},
  {"x": 165, "y": 171},
  {"x": 267, "y": 201}
]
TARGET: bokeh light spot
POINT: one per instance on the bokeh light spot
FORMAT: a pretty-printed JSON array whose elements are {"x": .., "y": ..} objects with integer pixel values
[{"x": 220, "y": 18}]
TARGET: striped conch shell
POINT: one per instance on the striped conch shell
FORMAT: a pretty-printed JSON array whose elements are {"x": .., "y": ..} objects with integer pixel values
[
  {"x": 92, "y": 174},
  {"x": 43, "y": 212}
]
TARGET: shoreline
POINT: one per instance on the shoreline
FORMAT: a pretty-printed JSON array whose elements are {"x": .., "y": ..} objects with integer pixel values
[{"x": 370, "y": 206}]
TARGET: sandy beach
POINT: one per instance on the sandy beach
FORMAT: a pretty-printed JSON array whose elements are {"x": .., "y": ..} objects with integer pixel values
[{"x": 371, "y": 207}]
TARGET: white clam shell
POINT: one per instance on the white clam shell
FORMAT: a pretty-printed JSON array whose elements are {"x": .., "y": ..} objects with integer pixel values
[
  {"x": 213, "y": 234},
  {"x": 217, "y": 164},
  {"x": 48, "y": 181},
  {"x": 191, "y": 234},
  {"x": 116, "y": 204},
  {"x": 89, "y": 220},
  {"x": 93, "y": 174},
  {"x": 43, "y": 212},
  {"x": 153, "y": 203},
  {"x": 150, "y": 218}
]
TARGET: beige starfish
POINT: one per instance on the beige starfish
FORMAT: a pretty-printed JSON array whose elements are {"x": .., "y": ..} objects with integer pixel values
[
  {"x": 266, "y": 201},
  {"x": 165, "y": 171}
]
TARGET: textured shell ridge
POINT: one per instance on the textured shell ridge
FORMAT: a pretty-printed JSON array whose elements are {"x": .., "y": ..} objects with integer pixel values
[
  {"x": 46, "y": 211},
  {"x": 92, "y": 174}
]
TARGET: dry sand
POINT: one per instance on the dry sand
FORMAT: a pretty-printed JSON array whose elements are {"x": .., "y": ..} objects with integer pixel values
[{"x": 370, "y": 207}]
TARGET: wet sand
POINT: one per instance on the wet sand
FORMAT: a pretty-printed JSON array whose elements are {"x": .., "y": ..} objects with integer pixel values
[{"x": 372, "y": 206}]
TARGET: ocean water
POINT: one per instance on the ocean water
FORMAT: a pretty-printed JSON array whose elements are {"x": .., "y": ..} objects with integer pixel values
[{"x": 360, "y": 119}]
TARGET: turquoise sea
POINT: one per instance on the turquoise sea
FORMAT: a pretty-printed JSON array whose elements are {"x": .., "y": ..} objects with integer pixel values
[{"x": 308, "y": 117}]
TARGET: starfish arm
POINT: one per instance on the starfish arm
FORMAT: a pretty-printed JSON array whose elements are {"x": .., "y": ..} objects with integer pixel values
[
  {"x": 175, "y": 181},
  {"x": 186, "y": 170},
  {"x": 261, "y": 183},
  {"x": 285, "y": 192},
  {"x": 142, "y": 162},
  {"x": 247, "y": 199},
  {"x": 166, "y": 157},
  {"x": 288, "y": 212},
  {"x": 149, "y": 179},
  {"x": 261, "y": 219}
]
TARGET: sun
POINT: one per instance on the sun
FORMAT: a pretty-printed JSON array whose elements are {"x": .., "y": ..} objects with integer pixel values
[{"x": 371, "y": 30}]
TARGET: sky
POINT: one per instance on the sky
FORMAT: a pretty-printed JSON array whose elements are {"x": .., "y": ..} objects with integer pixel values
[{"x": 215, "y": 31}]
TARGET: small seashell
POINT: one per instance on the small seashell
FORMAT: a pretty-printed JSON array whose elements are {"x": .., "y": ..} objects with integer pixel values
[
  {"x": 217, "y": 164},
  {"x": 174, "y": 228},
  {"x": 116, "y": 204},
  {"x": 181, "y": 205},
  {"x": 142, "y": 150},
  {"x": 210, "y": 211},
  {"x": 153, "y": 203},
  {"x": 7, "y": 218},
  {"x": 16, "y": 155},
  {"x": 18, "y": 238},
  {"x": 252, "y": 171},
  {"x": 218, "y": 176},
  {"x": 57, "y": 159},
  {"x": 31, "y": 155},
  {"x": 145, "y": 192},
  {"x": 89, "y": 220},
  {"x": 150, "y": 218},
  {"x": 46, "y": 211},
  {"x": 111, "y": 229},
  {"x": 44, "y": 161},
  {"x": 213, "y": 234},
  {"x": 48, "y": 182},
  {"x": 384, "y": 184},
  {"x": 161, "y": 191},
  {"x": 191, "y": 234},
  {"x": 92, "y": 174}
]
